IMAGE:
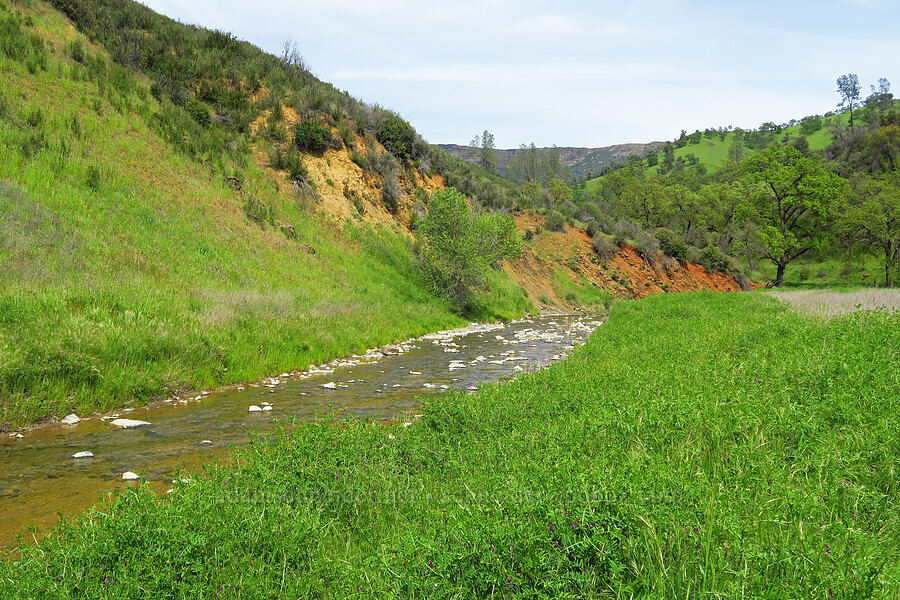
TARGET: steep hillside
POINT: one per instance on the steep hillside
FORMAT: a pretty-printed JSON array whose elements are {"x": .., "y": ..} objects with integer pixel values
[
  {"x": 582, "y": 162},
  {"x": 134, "y": 265}
]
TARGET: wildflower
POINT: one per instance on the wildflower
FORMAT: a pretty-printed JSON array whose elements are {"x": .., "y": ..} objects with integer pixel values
[{"x": 827, "y": 549}]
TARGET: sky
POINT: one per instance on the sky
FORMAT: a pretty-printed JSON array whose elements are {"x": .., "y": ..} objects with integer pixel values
[{"x": 577, "y": 72}]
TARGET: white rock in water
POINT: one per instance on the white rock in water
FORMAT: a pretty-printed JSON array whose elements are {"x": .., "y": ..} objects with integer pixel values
[
  {"x": 70, "y": 419},
  {"x": 129, "y": 476},
  {"x": 472, "y": 388},
  {"x": 84, "y": 454},
  {"x": 254, "y": 408},
  {"x": 128, "y": 423},
  {"x": 330, "y": 385},
  {"x": 268, "y": 407},
  {"x": 206, "y": 443},
  {"x": 265, "y": 404},
  {"x": 428, "y": 385},
  {"x": 415, "y": 373}
]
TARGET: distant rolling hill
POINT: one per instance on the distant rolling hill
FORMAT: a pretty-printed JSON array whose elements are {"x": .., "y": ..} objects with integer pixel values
[{"x": 581, "y": 161}]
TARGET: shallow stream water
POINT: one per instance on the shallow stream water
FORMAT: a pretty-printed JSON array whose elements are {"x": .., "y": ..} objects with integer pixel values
[{"x": 39, "y": 477}]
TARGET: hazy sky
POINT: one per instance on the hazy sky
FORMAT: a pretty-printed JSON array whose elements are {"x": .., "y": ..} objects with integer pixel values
[{"x": 576, "y": 73}]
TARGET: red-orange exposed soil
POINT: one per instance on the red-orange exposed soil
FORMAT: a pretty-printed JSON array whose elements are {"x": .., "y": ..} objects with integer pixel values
[{"x": 626, "y": 275}]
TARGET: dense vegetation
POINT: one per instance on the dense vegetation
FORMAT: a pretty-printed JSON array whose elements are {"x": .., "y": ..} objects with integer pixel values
[
  {"x": 759, "y": 464},
  {"x": 143, "y": 250},
  {"x": 818, "y": 189},
  {"x": 459, "y": 247}
]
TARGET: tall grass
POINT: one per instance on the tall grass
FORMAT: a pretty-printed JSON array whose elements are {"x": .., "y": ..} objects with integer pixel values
[
  {"x": 825, "y": 303},
  {"x": 699, "y": 446}
]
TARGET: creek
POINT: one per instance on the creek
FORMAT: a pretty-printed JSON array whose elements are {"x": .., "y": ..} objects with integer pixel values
[{"x": 39, "y": 477}]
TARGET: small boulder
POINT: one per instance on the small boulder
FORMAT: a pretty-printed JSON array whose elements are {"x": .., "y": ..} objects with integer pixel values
[
  {"x": 267, "y": 407},
  {"x": 70, "y": 419},
  {"x": 129, "y": 476},
  {"x": 330, "y": 385},
  {"x": 85, "y": 454},
  {"x": 129, "y": 423},
  {"x": 254, "y": 408},
  {"x": 205, "y": 443}
]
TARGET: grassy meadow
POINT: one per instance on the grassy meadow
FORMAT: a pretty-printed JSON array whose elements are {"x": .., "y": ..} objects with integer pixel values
[
  {"x": 698, "y": 446},
  {"x": 129, "y": 269}
]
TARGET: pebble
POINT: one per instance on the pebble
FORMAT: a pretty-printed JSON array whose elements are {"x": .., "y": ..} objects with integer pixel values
[
  {"x": 129, "y": 476},
  {"x": 254, "y": 408},
  {"x": 129, "y": 423},
  {"x": 206, "y": 443},
  {"x": 84, "y": 454},
  {"x": 330, "y": 385},
  {"x": 70, "y": 419},
  {"x": 267, "y": 408}
]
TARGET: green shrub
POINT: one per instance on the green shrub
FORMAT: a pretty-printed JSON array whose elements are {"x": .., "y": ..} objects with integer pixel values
[
  {"x": 391, "y": 192},
  {"x": 458, "y": 247},
  {"x": 671, "y": 243},
  {"x": 625, "y": 231},
  {"x": 646, "y": 245},
  {"x": 346, "y": 133},
  {"x": 311, "y": 135},
  {"x": 555, "y": 220},
  {"x": 398, "y": 137},
  {"x": 605, "y": 247},
  {"x": 198, "y": 111},
  {"x": 713, "y": 259}
]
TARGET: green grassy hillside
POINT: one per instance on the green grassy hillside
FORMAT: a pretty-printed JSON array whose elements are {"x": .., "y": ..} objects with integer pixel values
[
  {"x": 712, "y": 150},
  {"x": 700, "y": 445},
  {"x": 130, "y": 268}
]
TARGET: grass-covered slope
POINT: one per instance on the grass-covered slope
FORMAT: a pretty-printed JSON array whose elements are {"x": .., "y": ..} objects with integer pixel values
[
  {"x": 712, "y": 150},
  {"x": 700, "y": 445},
  {"x": 129, "y": 267}
]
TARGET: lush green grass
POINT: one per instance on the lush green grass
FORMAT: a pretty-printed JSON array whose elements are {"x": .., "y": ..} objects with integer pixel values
[
  {"x": 817, "y": 273},
  {"x": 581, "y": 293},
  {"x": 700, "y": 445},
  {"x": 129, "y": 269}
]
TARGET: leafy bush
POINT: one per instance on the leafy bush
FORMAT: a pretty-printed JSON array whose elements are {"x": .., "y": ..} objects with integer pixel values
[
  {"x": 311, "y": 135},
  {"x": 346, "y": 133},
  {"x": 391, "y": 192},
  {"x": 458, "y": 247},
  {"x": 555, "y": 220},
  {"x": 713, "y": 259},
  {"x": 605, "y": 247},
  {"x": 398, "y": 137},
  {"x": 198, "y": 111},
  {"x": 625, "y": 231},
  {"x": 646, "y": 245},
  {"x": 671, "y": 243}
]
